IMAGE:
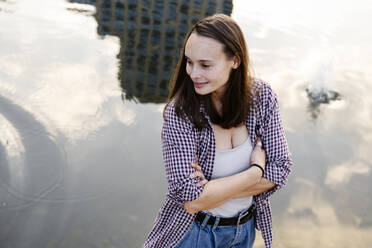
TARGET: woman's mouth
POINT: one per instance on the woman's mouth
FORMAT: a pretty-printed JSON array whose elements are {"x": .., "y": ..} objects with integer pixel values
[{"x": 199, "y": 85}]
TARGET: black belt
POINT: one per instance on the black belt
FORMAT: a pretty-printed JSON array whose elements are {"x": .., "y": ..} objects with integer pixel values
[{"x": 233, "y": 221}]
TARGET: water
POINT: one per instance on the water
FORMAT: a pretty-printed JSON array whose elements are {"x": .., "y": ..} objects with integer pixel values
[{"x": 82, "y": 87}]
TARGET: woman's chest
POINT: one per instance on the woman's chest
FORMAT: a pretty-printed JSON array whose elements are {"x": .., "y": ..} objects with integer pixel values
[
  {"x": 229, "y": 138},
  {"x": 208, "y": 139}
]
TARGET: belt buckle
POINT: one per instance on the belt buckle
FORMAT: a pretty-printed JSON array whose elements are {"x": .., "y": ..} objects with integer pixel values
[{"x": 242, "y": 216}]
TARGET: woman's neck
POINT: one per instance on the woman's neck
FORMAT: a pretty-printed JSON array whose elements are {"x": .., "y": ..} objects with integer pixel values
[{"x": 217, "y": 103}]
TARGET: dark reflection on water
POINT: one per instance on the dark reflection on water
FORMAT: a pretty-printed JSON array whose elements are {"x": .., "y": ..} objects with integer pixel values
[
  {"x": 151, "y": 34},
  {"x": 42, "y": 167}
]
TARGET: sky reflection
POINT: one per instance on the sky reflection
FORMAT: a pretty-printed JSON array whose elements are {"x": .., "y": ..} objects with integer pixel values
[
  {"x": 79, "y": 134},
  {"x": 60, "y": 79},
  {"x": 295, "y": 45}
]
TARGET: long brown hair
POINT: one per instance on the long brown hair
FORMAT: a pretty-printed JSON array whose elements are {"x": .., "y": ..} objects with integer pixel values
[{"x": 238, "y": 96}]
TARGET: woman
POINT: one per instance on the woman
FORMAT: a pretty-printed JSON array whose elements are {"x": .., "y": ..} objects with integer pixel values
[{"x": 219, "y": 173}]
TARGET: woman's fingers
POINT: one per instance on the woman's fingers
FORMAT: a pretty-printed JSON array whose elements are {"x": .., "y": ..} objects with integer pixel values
[
  {"x": 197, "y": 174},
  {"x": 202, "y": 182},
  {"x": 196, "y": 166},
  {"x": 259, "y": 143}
]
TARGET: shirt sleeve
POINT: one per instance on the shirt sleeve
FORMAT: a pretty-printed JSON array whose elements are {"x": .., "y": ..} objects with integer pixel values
[
  {"x": 278, "y": 158},
  {"x": 179, "y": 146}
]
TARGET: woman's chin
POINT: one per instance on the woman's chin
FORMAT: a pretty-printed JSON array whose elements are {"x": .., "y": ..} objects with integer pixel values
[{"x": 201, "y": 91}]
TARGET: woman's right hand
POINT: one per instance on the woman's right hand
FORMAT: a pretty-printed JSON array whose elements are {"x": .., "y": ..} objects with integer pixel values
[
  {"x": 198, "y": 173},
  {"x": 258, "y": 155}
]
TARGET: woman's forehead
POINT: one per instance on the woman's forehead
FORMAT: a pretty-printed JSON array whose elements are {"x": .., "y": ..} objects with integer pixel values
[{"x": 203, "y": 48}]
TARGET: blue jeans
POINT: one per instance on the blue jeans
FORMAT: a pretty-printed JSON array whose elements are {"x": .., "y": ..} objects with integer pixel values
[{"x": 201, "y": 235}]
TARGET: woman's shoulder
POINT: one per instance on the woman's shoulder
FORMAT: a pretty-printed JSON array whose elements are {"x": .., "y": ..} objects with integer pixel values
[
  {"x": 261, "y": 87},
  {"x": 173, "y": 120},
  {"x": 262, "y": 92},
  {"x": 170, "y": 114}
]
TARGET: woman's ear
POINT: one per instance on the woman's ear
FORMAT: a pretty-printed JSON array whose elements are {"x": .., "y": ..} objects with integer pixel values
[{"x": 236, "y": 61}]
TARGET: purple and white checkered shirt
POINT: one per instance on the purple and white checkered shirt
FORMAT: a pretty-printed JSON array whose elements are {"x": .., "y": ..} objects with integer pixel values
[{"x": 181, "y": 142}]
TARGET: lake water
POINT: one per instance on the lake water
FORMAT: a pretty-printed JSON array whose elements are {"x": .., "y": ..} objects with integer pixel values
[{"x": 82, "y": 87}]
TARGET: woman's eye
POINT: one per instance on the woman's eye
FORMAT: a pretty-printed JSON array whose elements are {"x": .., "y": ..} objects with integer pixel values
[
  {"x": 205, "y": 66},
  {"x": 188, "y": 62}
]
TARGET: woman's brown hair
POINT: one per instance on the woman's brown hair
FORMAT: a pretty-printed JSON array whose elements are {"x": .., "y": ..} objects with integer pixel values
[{"x": 237, "y": 100}]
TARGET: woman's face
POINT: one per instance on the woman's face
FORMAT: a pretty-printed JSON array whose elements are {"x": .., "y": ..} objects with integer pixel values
[{"x": 207, "y": 65}]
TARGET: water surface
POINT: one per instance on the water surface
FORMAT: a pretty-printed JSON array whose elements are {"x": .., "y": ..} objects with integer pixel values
[{"x": 82, "y": 87}]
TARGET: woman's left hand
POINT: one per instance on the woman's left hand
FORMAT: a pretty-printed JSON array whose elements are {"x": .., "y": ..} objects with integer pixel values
[{"x": 198, "y": 173}]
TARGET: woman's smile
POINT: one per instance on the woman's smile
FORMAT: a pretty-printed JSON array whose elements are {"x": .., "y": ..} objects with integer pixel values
[{"x": 200, "y": 85}]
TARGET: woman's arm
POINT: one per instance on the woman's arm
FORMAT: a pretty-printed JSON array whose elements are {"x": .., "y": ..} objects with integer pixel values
[
  {"x": 204, "y": 203},
  {"x": 218, "y": 191},
  {"x": 263, "y": 186},
  {"x": 278, "y": 160}
]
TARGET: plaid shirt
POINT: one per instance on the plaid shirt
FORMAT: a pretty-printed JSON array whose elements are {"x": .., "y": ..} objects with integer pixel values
[{"x": 181, "y": 142}]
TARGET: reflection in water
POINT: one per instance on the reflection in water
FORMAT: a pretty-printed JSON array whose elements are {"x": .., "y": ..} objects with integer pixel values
[
  {"x": 342, "y": 173},
  {"x": 62, "y": 119},
  {"x": 33, "y": 166},
  {"x": 12, "y": 159},
  {"x": 319, "y": 91},
  {"x": 34, "y": 162},
  {"x": 314, "y": 218},
  {"x": 151, "y": 34},
  {"x": 318, "y": 98}
]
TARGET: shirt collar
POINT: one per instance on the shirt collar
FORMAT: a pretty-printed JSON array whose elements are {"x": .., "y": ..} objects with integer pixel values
[{"x": 204, "y": 113}]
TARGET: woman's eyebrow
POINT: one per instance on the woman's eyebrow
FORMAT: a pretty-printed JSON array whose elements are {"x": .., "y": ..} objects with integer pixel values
[{"x": 200, "y": 60}]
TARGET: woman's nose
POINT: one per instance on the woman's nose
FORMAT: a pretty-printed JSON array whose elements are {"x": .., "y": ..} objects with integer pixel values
[{"x": 195, "y": 73}]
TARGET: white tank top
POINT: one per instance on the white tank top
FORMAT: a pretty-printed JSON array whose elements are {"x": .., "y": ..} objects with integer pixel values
[{"x": 229, "y": 162}]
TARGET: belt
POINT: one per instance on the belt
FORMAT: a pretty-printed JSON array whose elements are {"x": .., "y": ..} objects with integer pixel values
[{"x": 232, "y": 221}]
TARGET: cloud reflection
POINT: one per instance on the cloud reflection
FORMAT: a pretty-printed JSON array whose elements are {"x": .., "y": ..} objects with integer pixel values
[
  {"x": 126, "y": 115},
  {"x": 342, "y": 173},
  {"x": 313, "y": 219},
  {"x": 72, "y": 96}
]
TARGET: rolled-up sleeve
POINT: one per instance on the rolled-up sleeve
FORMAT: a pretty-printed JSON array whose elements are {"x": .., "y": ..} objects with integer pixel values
[
  {"x": 179, "y": 146},
  {"x": 278, "y": 158}
]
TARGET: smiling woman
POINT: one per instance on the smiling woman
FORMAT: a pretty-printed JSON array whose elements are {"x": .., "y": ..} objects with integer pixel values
[
  {"x": 211, "y": 69},
  {"x": 223, "y": 145}
]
